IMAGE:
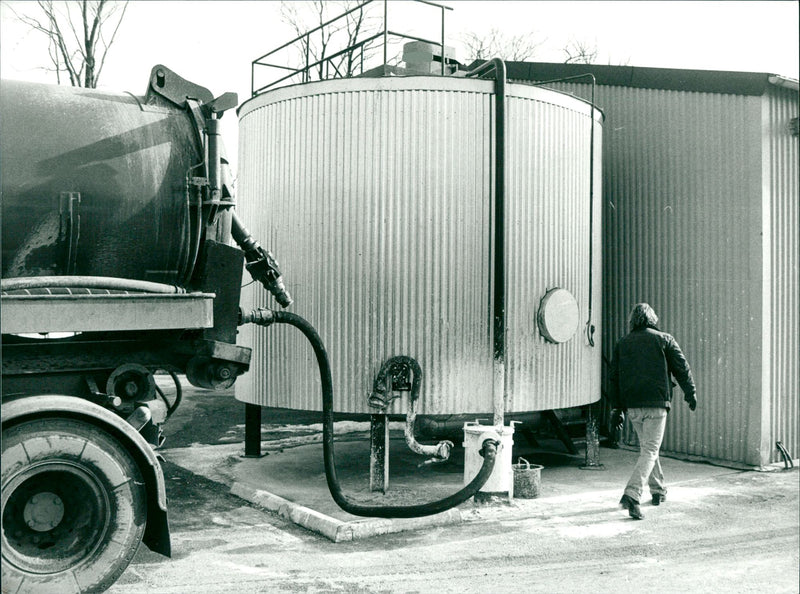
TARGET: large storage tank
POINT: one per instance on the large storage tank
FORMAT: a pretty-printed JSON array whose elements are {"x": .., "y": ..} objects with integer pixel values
[{"x": 380, "y": 194}]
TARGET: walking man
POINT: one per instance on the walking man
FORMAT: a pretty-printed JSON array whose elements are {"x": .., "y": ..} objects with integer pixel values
[{"x": 640, "y": 378}]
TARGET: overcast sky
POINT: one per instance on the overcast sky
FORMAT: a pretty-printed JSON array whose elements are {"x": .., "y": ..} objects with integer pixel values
[{"x": 213, "y": 43}]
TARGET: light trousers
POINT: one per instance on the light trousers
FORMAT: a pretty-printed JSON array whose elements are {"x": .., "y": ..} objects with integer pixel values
[{"x": 649, "y": 424}]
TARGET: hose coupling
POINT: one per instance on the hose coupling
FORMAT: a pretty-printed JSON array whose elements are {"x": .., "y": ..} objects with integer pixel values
[
  {"x": 443, "y": 450},
  {"x": 489, "y": 447},
  {"x": 442, "y": 454},
  {"x": 264, "y": 269},
  {"x": 261, "y": 264},
  {"x": 261, "y": 316}
]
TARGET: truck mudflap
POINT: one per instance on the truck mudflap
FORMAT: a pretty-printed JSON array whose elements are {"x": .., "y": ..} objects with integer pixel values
[{"x": 156, "y": 535}]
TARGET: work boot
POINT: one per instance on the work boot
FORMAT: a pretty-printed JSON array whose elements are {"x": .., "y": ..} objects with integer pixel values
[
  {"x": 632, "y": 506},
  {"x": 658, "y": 498}
]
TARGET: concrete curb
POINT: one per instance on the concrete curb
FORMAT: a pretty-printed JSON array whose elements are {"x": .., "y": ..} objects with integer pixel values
[{"x": 337, "y": 530}]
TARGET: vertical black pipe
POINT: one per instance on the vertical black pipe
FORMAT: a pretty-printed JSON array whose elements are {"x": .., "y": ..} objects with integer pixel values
[
  {"x": 589, "y": 325},
  {"x": 499, "y": 212}
]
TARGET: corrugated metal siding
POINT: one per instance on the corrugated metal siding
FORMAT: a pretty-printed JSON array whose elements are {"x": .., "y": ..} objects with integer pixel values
[
  {"x": 784, "y": 201},
  {"x": 377, "y": 197},
  {"x": 379, "y": 203},
  {"x": 547, "y": 246},
  {"x": 682, "y": 231}
]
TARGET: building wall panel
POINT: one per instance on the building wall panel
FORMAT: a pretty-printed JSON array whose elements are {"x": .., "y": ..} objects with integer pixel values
[
  {"x": 682, "y": 225},
  {"x": 781, "y": 175}
]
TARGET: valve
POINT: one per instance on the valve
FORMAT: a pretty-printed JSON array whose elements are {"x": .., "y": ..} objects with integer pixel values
[{"x": 261, "y": 264}]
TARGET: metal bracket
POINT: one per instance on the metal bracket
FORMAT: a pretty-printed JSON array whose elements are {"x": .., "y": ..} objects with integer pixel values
[{"x": 175, "y": 89}]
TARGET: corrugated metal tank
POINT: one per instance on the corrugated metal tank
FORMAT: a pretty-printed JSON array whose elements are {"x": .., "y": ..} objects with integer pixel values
[
  {"x": 701, "y": 218},
  {"x": 378, "y": 194}
]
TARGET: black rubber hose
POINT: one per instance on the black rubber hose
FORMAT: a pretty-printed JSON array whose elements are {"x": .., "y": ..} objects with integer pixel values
[
  {"x": 171, "y": 408},
  {"x": 489, "y": 450}
]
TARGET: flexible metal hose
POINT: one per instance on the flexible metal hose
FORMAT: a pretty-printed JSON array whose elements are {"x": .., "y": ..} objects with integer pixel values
[{"x": 489, "y": 450}]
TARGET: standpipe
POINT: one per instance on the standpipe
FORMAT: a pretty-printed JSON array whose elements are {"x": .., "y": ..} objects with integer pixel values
[{"x": 383, "y": 394}]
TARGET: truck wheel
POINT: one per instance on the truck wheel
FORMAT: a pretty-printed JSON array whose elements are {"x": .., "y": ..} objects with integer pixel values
[{"x": 74, "y": 507}]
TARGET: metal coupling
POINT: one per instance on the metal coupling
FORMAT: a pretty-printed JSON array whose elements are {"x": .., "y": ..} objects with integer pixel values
[
  {"x": 442, "y": 453},
  {"x": 489, "y": 446},
  {"x": 261, "y": 317},
  {"x": 437, "y": 453}
]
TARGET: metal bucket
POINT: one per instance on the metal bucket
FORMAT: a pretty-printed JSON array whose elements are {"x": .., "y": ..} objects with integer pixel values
[
  {"x": 527, "y": 479},
  {"x": 500, "y": 481}
]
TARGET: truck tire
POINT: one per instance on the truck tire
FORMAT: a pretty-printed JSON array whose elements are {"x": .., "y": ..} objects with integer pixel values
[{"x": 74, "y": 507}]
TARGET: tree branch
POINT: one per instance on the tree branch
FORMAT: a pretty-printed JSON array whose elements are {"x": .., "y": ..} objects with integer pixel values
[{"x": 107, "y": 46}]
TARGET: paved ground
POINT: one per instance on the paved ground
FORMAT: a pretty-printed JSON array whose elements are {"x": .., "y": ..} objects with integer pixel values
[{"x": 720, "y": 530}]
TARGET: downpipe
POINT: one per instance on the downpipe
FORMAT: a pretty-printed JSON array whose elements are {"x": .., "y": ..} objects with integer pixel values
[
  {"x": 497, "y": 67},
  {"x": 488, "y": 447}
]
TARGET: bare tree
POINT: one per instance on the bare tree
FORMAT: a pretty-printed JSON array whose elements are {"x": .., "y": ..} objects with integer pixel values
[
  {"x": 340, "y": 48},
  {"x": 580, "y": 52},
  {"x": 496, "y": 44},
  {"x": 79, "y": 35}
]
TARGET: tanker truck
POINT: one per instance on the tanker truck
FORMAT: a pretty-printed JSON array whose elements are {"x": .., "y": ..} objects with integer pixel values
[{"x": 117, "y": 263}]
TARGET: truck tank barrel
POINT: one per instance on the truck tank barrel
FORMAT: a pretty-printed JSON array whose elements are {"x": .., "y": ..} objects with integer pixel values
[{"x": 95, "y": 183}]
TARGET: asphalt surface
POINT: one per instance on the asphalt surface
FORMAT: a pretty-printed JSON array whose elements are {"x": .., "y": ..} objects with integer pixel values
[{"x": 721, "y": 530}]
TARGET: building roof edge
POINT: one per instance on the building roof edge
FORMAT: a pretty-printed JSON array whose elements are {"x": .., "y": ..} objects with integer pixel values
[{"x": 707, "y": 81}]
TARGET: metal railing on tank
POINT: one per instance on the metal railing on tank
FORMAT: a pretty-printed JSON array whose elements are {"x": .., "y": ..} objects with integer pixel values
[{"x": 360, "y": 55}]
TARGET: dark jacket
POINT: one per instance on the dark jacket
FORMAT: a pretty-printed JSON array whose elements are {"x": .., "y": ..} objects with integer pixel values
[{"x": 641, "y": 368}]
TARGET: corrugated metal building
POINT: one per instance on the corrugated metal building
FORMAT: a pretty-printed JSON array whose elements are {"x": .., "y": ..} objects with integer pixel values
[{"x": 700, "y": 188}]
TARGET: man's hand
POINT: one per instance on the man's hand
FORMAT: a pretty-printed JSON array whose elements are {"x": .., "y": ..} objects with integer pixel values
[
  {"x": 617, "y": 419},
  {"x": 692, "y": 401}
]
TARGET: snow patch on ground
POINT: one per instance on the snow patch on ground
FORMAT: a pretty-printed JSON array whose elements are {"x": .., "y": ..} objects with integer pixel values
[{"x": 599, "y": 530}]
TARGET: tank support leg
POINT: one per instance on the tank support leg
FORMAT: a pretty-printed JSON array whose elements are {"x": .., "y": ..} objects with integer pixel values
[
  {"x": 378, "y": 453},
  {"x": 252, "y": 431},
  {"x": 592, "y": 442}
]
